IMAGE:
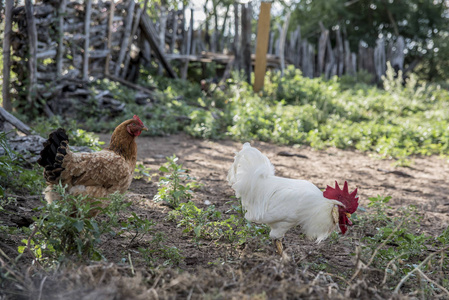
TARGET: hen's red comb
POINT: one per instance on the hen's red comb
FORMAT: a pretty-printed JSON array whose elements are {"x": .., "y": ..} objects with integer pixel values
[
  {"x": 349, "y": 200},
  {"x": 138, "y": 120}
]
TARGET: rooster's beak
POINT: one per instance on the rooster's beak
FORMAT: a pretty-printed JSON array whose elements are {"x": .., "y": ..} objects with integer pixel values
[{"x": 348, "y": 215}]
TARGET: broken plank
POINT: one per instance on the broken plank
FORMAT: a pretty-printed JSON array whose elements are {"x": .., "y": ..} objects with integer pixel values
[{"x": 149, "y": 32}]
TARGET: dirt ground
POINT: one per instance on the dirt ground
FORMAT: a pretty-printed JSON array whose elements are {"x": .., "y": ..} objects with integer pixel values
[
  {"x": 212, "y": 270},
  {"x": 423, "y": 184}
]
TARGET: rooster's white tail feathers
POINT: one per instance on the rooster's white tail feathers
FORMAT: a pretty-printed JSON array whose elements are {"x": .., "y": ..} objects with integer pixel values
[{"x": 249, "y": 166}]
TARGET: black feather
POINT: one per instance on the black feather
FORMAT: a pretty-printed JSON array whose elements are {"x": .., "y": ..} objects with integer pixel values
[{"x": 52, "y": 156}]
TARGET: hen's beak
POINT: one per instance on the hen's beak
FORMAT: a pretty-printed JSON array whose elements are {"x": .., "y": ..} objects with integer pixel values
[{"x": 144, "y": 128}]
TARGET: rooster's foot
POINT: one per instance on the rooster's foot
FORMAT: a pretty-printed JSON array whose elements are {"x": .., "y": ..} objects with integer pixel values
[{"x": 279, "y": 247}]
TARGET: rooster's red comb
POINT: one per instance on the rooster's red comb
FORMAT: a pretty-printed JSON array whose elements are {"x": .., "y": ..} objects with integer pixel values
[
  {"x": 349, "y": 200},
  {"x": 138, "y": 120}
]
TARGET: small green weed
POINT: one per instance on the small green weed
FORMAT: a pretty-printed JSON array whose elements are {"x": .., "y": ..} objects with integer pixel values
[
  {"x": 139, "y": 226},
  {"x": 157, "y": 250},
  {"x": 142, "y": 172},
  {"x": 176, "y": 186}
]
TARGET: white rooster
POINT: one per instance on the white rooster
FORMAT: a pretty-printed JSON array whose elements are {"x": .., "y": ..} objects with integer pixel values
[{"x": 283, "y": 203}]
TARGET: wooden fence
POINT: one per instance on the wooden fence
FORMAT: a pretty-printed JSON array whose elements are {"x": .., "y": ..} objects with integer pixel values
[{"x": 58, "y": 46}]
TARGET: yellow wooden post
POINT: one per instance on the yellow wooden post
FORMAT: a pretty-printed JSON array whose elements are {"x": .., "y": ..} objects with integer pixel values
[{"x": 263, "y": 30}]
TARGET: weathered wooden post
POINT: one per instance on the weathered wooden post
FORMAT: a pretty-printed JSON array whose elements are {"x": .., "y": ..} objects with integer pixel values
[
  {"x": 339, "y": 53},
  {"x": 126, "y": 35},
  {"x": 397, "y": 56},
  {"x": 162, "y": 28},
  {"x": 263, "y": 30},
  {"x": 380, "y": 63},
  {"x": 246, "y": 39},
  {"x": 86, "y": 39},
  {"x": 110, "y": 22},
  {"x": 175, "y": 31},
  {"x": 322, "y": 44},
  {"x": 236, "y": 44},
  {"x": 60, "y": 54},
  {"x": 131, "y": 37},
  {"x": 188, "y": 47},
  {"x": 282, "y": 42},
  {"x": 7, "y": 55},
  {"x": 32, "y": 43}
]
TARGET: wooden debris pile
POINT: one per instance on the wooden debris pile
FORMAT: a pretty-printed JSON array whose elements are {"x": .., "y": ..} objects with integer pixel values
[{"x": 61, "y": 46}]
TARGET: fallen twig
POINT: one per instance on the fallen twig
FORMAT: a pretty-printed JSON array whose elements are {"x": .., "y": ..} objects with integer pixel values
[
  {"x": 387, "y": 267},
  {"x": 29, "y": 249},
  {"x": 404, "y": 279},
  {"x": 378, "y": 248},
  {"x": 434, "y": 282},
  {"x": 395, "y": 172}
]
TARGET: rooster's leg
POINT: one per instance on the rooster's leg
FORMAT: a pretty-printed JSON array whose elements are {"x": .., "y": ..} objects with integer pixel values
[{"x": 279, "y": 246}]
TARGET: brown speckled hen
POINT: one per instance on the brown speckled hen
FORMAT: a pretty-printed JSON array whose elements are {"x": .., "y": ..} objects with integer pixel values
[{"x": 97, "y": 174}]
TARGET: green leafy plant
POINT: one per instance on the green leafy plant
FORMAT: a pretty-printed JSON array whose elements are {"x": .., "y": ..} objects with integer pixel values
[
  {"x": 140, "y": 227},
  {"x": 65, "y": 227},
  {"x": 211, "y": 224},
  {"x": 156, "y": 249},
  {"x": 142, "y": 172},
  {"x": 176, "y": 186}
]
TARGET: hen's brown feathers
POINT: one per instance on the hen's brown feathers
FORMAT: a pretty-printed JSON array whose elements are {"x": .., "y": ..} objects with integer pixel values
[
  {"x": 123, "y": 143},
  {"x": 97, "y": 174}
]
